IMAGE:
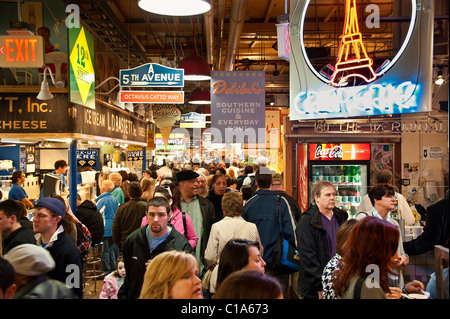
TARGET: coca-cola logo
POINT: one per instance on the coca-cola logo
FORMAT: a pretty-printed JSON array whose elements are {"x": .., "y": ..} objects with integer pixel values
[{"x": 334, "y": 152}]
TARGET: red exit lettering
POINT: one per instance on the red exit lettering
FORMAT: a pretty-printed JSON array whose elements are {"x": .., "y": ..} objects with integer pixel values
[{"x": 20, "y": 50}]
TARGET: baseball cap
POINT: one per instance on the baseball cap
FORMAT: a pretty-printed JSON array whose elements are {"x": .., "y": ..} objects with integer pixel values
[{"x": 53, "y": 204}]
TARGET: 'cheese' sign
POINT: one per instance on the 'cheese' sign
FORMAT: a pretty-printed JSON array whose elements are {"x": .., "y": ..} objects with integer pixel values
[{"x": 21, "y": 51}]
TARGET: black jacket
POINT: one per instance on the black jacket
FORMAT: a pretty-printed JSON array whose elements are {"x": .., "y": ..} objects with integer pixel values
[
  {"x": 436, "y": 231},
  {"x": 41, "y": 287},
  {"x": 216, "y": 200},
  {"x": 89, "y": 216},
  {"x": 313, "y": 250},
  {"x": 65, "y": 253},
  {"x": 136, "y": 253},
  {"x": 18, "y": 237}
]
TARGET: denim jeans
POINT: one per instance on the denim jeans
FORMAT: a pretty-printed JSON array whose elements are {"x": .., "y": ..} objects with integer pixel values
[{"x": 110, "y": 255}]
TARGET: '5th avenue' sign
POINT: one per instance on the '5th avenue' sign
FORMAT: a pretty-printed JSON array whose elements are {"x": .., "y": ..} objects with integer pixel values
[{"x": 152, "y": 75}]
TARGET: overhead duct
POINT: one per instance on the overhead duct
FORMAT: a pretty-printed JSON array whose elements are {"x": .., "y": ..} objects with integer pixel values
[
  {"x": 237, "y": 18},
  {"x": 220, "y": 22},
  {"x": 209, "y": 32}
]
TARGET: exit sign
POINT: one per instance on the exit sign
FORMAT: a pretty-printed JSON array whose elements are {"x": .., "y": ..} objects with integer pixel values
[{"x": 21, "y": 51}]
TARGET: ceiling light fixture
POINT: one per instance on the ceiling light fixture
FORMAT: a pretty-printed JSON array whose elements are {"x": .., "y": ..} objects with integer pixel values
[
  {"x": 195, "y": 67},
  {"x": 200, "y": 96},
  {"x": 175, "y": 7},
  {"x": 440, "y": 79},
  {"x": 45, "y": 94}
]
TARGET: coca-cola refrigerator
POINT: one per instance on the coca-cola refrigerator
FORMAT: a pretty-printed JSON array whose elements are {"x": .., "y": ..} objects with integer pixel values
[{"x": 344, "y": 165}]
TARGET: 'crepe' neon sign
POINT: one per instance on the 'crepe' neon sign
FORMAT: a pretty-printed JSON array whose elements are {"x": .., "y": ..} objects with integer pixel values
[
  {"x": 371, "y": 99},
  {"x": 348, "y": 65}
]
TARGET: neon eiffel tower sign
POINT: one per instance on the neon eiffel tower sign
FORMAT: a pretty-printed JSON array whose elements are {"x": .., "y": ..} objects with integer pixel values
[{"x": 353, "y": 60}]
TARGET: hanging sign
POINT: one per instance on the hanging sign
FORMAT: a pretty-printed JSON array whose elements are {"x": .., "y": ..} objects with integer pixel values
[
  {"x": 152, "y": 75},
  {"x": 193, "y": 119},
  {"x": 81, "y": 70},
  {"x": 166, "y": 97},
  {"x": 238, "y": 107},
  {"x": 358, "y": 84}
]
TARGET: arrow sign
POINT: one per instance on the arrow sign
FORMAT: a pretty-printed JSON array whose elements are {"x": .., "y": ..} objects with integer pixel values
[
  {"x": 152, "y": 75},
  {"x": 425, "y": 153}
]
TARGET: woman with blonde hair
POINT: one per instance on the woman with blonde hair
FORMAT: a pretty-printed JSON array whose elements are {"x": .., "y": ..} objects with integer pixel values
[
  {"x": 172, "y": 275},
  {"x": 148, "y": 188},
  {"x": 117, "y": 192}
]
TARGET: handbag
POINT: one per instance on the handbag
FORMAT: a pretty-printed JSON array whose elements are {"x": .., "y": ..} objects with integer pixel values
[
  {"x": 285, "y": 256},
  {"x": 206, "y": 280}
]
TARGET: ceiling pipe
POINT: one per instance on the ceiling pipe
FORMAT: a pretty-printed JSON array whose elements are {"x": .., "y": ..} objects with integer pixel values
[
  {"x": 237, "y": 18},
  {"x": 220, "y": 23},
  {"x": 209, "y": 33}
]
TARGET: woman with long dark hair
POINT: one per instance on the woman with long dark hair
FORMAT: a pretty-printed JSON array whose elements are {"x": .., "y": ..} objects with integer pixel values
[{"x": 368, "y": 257}]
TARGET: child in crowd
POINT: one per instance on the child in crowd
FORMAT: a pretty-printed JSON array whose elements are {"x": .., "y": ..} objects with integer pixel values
[{"x": 113, "y": 281}]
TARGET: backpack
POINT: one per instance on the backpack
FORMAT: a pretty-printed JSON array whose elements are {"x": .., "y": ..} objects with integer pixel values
[{"x": 253, "y": 183}]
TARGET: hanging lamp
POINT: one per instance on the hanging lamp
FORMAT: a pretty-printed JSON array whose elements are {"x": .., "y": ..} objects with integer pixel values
[
  {"x": 175, "y": 7},
  {"x": 196, "y": 68},
  {"x": 200, "y": 96}
]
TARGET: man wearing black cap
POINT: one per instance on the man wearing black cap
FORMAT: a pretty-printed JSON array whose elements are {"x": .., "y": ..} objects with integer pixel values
[
  {"x": 48, "y": 216},
  {"x": 200, "y": 209}
]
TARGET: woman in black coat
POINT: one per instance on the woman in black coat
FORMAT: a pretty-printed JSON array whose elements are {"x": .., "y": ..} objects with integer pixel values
[{"x": 218, "y": 188}]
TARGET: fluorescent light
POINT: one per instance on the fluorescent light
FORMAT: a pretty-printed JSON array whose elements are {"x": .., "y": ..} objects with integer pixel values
[{"x": 175, "y": 7}]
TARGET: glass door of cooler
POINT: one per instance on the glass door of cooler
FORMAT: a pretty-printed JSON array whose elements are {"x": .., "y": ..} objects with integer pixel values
[{"x": 350, "y": 182}]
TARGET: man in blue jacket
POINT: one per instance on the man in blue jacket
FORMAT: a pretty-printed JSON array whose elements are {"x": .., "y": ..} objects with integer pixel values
[
  {"x": 107, "y": 205},
  {"x": 316, "y": 235},
  {"x": 261, "y": 209}
]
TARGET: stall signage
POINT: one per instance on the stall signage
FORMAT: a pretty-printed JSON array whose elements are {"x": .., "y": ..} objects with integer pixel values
[
  {"x": 81, "y": 70},
  {"x": 339, "y": 152},
  {"x": 24, "y": 113},
  {"x": 238, "y": 107},
  {"x": 21, "y": 51},
  {"x": 87, "y": 156},
  {"x": 107, "y": 122},
  {"x": 166, "y": 97},
  {"x": 193, "y": 119},
  {"x": 152, "y": 75},
  {"x": 176, "y": 142},
  {"x": 135, "y": 155},
  {"x": 357, "y": 85}
]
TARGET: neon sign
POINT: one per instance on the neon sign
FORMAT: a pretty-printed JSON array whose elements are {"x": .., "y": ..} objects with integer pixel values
[
  {"x": 349, "y": 65},
  {"x": 355, "y": 84},
  {"x": 382, "y": 69},
  {"x": 371, "y": 99}
]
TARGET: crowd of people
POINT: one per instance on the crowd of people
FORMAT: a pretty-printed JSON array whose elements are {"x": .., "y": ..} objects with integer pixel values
[{"x": 206, "y": 232}]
